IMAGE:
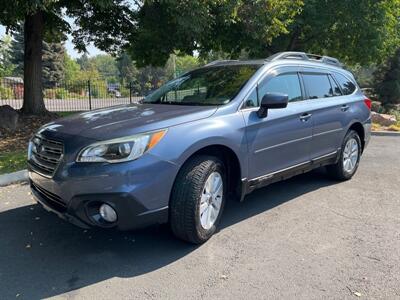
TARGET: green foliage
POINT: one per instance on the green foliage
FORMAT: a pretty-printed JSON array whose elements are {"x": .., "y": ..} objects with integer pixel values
[
  {"x": 71, "y": 69},
  {"x": 179, "y": 64},
  {"x": 363, "y": 74},
  {"x": 17, "y": 53},
  {"x": 103, "y": 22},
  {"x": 126, "y": 68},
  {"x": 387, "y": 81},
  {"x": 6, "y": 93},
  {"x": 99, "y": 89},
  {"x": 53, "y": 63},
  {"x": 362, "y": 31},
  {"x": 106, "y": 65},
  {"x": 226, "y": 25},
  {"x": 52, "y": 58},
  {"x": 12, "y": 162},
  {"x": 6, "y": 66}
]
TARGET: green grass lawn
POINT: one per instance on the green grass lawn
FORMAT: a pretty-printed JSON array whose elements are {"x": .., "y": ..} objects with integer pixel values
[
  {"x": 67, "y": 113},
  {"x": 12, "y": 162}
]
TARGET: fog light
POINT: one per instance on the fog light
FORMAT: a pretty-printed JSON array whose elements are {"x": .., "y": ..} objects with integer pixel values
[{"x": 108, "y": 213}]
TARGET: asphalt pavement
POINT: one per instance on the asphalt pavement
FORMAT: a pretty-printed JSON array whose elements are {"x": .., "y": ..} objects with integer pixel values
[{"x": 305, "y": 238}]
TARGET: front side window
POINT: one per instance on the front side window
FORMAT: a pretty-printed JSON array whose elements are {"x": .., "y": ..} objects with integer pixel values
[
  {"x": 317, "y": 86},
  {"x": 288, "y": 84},
  {"x": 215, "y": 85},
  {"x": 347, "y": 86}
]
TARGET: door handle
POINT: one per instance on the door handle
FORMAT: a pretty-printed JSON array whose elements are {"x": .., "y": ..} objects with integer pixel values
[
  {"x": 305, "y": 117},
  {"x": 345, "y": 107}
]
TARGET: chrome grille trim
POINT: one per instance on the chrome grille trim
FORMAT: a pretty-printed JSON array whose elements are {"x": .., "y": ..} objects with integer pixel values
[{"x": 45, "y": 155}]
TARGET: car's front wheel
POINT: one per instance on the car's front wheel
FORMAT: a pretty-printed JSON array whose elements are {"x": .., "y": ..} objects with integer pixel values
[
  {"x": 198, "y": 199},
  {"x": 349, "y": 159}
]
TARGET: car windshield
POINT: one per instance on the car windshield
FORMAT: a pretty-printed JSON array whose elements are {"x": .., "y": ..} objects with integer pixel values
[{"x": 216, "y": 85}]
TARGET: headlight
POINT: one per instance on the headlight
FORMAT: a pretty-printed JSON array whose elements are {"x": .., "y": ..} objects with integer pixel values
[{"x": 122, "y": 149}]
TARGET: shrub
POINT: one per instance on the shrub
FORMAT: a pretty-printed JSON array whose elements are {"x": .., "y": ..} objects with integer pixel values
[
  {"x": 124, "y": 91},
  {"x": 6, "y": 93},
  {"x": 387, "y": 81},
  {"x": 98, "y": 89}
]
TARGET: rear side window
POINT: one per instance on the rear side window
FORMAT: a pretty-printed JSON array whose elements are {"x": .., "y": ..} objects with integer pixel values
[
  {"x": 347, "y": 86},
  {"x": 317, "y": 86},
  {"x": 286, "y": 84},
  {"x": 335, "y": 88}
]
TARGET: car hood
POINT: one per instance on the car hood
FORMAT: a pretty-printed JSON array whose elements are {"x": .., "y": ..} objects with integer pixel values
[{"x": 126, "y": 120}]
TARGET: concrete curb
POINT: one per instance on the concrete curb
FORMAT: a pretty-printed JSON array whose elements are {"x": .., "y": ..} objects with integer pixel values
[
  {"x": 15, "y": 177},
  {"x": 385, "y": 133}
]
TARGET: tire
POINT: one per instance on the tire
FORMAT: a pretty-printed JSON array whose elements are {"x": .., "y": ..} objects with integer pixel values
[
  {"x": 341, "y": 170},
  {"x": 189, "y": 192}
]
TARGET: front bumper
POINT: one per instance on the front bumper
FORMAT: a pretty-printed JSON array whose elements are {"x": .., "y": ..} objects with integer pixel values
[{"x": 139, "y": 192}]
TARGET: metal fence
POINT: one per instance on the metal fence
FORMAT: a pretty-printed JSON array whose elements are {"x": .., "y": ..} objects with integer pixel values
[{"x": 71, "y": 96}]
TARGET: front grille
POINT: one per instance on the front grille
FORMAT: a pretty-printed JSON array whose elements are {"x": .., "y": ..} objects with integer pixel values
[
  {"x": 52, "y": 200},
  {"x": 45, "y": 155}
]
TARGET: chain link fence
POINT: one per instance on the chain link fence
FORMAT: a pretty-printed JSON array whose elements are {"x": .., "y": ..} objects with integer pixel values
[{"x": 71, "y": 96}]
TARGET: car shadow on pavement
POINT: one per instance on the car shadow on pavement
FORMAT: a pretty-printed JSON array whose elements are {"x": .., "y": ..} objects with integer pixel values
[{"x": 43, "y": 256}]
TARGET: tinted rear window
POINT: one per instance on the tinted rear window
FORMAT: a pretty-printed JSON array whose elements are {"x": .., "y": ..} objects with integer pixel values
[
  {"x": 317, "y": 86},
  {"x": 347, "y": 86}
]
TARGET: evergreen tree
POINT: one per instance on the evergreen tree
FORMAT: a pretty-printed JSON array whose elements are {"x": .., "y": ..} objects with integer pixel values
[
  {"x": 387, "y": 79},
  {"x": 53, "y": 64},
  {"x": 6, "y": 66},
  {"x": 84, "y": 62},
  {"x": 52, "y": 60},
  {"x": 17, "y": 53},
  {"x": 127, "y": 70}
]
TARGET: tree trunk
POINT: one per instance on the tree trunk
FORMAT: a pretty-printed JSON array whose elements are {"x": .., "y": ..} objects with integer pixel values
[
  {"x": 294, "y": 39},
  {"x": 33, "y": 34}
]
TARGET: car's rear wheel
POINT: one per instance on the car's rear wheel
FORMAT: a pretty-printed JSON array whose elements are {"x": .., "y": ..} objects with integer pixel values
[
  {"x": 198, "y": 199},
  {"x": 349, "y": 159}
]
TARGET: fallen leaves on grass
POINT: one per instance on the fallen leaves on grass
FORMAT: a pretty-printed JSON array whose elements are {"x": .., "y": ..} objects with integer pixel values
[{"x": 27, "y": 126}]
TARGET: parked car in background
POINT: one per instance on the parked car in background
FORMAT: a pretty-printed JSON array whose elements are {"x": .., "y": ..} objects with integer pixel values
[
  {"x": 214, "y": 133},
  {"x": 113, "y": 89}
]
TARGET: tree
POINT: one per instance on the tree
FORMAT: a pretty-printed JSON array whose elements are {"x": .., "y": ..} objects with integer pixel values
[
  {"x": 52, "y": 59},
  {"x": 72, "y": 69},
  {"x": 106, "y": 65},
  {"x": 6, "y": 65},
  {"x": 179, "y": 64},
  {"x": 126, "y": 68},
  {"x": 17, "y": 52},
  {"x": 220, "y": 25},
  {"x": 84, "y": 62},
  {"x": 387, "y": 78},
  {"x": 363, "y": 31},
  {"x": 53, "y": 64},
  {"x": 103, "y": 22}
]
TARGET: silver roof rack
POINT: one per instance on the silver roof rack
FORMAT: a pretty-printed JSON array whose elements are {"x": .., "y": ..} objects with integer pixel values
[
  {"x": 216, "y": 62},
  {"x": 306, "y": 56}
]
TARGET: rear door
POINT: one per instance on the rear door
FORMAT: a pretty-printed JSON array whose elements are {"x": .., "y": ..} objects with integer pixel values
[
  {"x": 281, "y": 140},
  {"x": 327, "y": 108}
]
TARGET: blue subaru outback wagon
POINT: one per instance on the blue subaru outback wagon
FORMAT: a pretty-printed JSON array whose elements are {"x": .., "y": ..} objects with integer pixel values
[{"x": 214, "y": 133}]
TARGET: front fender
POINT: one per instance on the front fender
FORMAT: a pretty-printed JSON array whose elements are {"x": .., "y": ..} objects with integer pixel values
[{"x": 184, "y": 140}]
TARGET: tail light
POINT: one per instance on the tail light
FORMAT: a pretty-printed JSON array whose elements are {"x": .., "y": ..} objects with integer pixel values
[{"x": 368, "y": 102}]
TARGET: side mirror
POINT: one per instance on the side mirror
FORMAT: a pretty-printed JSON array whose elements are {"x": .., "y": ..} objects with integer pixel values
[{"x": 272, "y": 101}]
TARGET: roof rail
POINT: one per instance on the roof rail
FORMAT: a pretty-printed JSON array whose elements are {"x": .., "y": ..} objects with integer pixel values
[
  {"x": 216, "y": 62},
  {"x": 306, "y": 56}
]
